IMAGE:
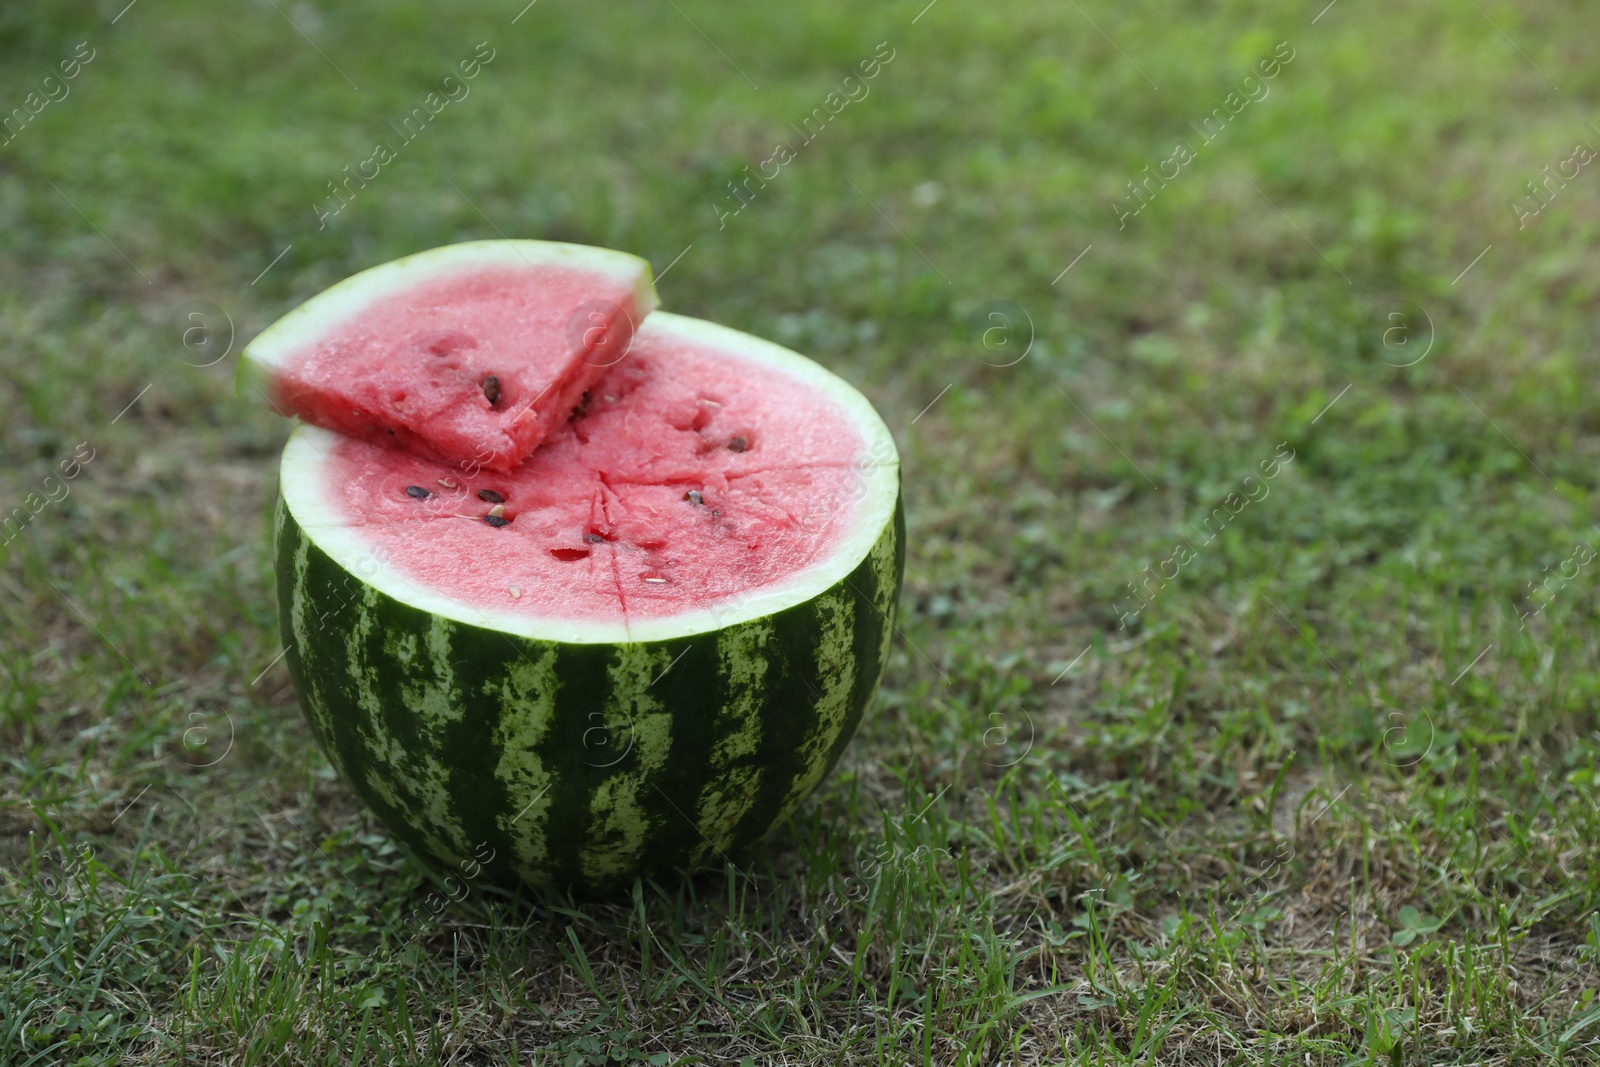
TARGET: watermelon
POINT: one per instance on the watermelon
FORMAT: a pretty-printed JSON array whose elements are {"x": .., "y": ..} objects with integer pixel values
[
  {"x": 633, "y": 653},
  {"x": 471, "y": 354}
]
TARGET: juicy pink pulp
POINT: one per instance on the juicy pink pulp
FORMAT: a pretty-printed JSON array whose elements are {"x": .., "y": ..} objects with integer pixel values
[
  {"x": 410, "y": 368},
  {"x": 688, "y": 477}
]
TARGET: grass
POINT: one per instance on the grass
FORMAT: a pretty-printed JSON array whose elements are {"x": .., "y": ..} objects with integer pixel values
[{"x": 1328, "y": 798}]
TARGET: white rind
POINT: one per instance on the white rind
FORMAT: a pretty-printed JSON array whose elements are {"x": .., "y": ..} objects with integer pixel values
[
  {"x": 323, "y": 313},
  {"x": 876, "y": 490}
]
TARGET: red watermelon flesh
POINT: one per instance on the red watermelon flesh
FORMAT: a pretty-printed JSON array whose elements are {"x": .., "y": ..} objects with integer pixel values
[
  {"x": 472, "y": 355},
  {"x": 695, "y": 475}
]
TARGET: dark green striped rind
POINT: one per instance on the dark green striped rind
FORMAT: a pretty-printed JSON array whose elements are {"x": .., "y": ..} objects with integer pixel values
[{"x": 580, "y": 764}]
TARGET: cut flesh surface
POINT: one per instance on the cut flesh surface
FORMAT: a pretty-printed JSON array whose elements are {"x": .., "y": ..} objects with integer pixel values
[
  {"x": 709, "y": 479},
  {"x": 471, "y": 354}
]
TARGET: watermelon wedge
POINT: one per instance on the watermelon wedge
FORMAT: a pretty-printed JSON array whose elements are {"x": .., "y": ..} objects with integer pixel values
[
  {"x": 471, "y": 354},
  {"x": 634, "y": 653}
]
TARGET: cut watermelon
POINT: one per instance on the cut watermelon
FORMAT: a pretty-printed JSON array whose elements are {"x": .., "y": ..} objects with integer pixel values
[
  {"x": 634, "y": 653},
  {"x": 471, "y": 354}
]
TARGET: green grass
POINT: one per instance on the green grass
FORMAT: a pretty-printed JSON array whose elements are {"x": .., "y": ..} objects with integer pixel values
[{"x": 1326, "y": 800}]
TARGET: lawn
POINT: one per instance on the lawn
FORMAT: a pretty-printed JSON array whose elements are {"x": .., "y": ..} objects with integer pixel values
[{"x": 1244, "y": 707}]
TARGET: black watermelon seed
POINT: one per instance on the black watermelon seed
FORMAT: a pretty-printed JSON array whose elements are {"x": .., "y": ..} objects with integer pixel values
[
  {"x": 497, "y": 521},
  {"x": 594, "y": 538},
  {"x": 738, "y": 444},
  {"x": 491, "y": 389},
  {"x": 491, "y": 496},
  {"x": 693, "y": 496},
  {"x": 416, "y": 492}
]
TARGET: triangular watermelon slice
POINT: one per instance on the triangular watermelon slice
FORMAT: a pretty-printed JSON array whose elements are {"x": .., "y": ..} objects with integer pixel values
[{"x": 471, "y": 354}]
